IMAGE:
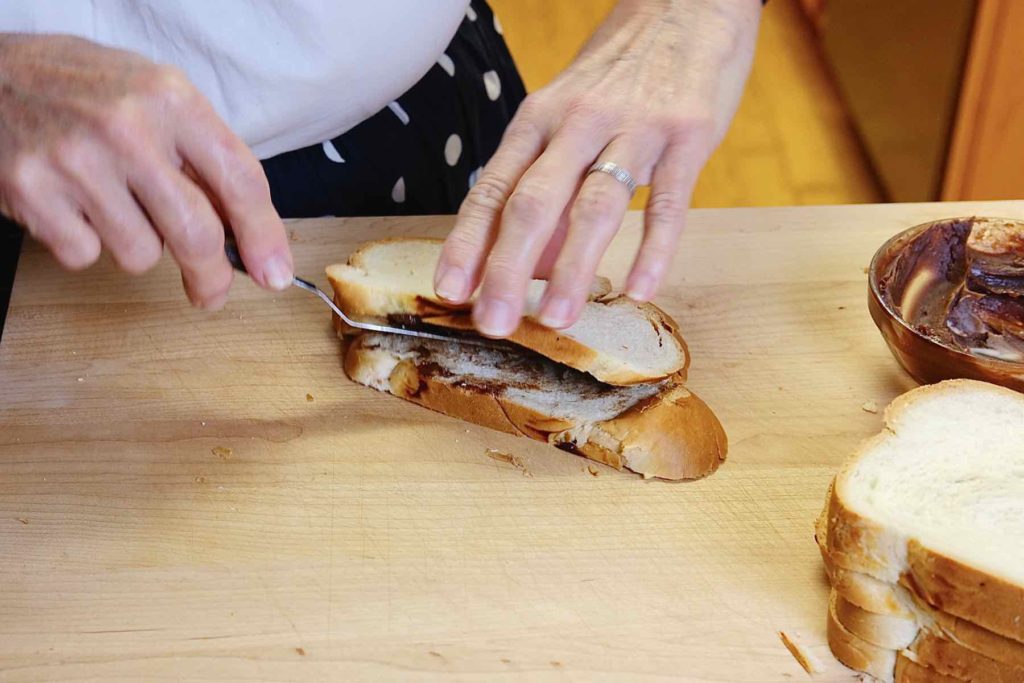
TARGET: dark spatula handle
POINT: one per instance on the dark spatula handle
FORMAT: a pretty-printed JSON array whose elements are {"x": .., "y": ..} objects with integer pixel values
[{"x": 231, "y": 251}]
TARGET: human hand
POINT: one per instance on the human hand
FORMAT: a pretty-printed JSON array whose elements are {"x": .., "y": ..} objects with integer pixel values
[
  {"x": 653, "y": 91},
  {"x": 101, "y": 148}
]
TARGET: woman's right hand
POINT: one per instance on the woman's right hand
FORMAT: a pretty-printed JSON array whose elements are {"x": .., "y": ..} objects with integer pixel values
[{"x": 101, "y": 148}]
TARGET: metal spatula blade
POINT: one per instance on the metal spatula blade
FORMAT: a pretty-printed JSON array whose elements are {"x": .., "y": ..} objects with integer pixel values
[{"x": 235, "y": 258}]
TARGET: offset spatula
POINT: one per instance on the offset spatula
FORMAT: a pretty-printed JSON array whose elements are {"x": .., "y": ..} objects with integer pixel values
[{"x": 231, "y": 250}]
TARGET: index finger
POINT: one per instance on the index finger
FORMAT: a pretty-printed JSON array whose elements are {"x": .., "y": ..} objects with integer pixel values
[{"x": 238, "y": 187}]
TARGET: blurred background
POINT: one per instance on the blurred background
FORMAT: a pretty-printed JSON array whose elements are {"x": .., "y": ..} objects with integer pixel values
[{"x": 849, "y": 100}]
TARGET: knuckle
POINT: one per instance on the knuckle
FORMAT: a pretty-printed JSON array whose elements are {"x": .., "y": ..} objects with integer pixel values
[
  {"x": 531, "y": 108},
  {"x": 122, "y": 125},
  {"x": 460, "y": 246},
  {"x": 593, "y": 206},
  {"x": 199, "y": 242},
  {"x": 22, "y": 177},
  {"x": 586, "y": 112},
  {"x": 666, "y": 209},
  {"x": 503, "y": 271},
  {"x": 526, "y": 207},
  {"x": 169, "y": 85},
  {"x": 489, "y": 194},
  {"x": 689, "y": 128},
  {"x": 246, "y": 181},
  {"x": 74, "y": 155}
]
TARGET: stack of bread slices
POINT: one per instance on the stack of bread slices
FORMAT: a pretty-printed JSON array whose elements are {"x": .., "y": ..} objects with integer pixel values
[
  {"x": 610, "y": 387},
  {"x": 923, "y": 540}
]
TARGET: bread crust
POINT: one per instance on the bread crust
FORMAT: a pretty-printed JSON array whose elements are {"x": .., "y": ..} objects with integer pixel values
[
  {"x": 857, "y": 653},
  {"x": 673, "y": 435},
  {"x": 943, "y": 658},
  {"x": 363, "y": 301},
  {"x": 909, "y": 671},
  {"x": 856, "y": 543},
  {"x": 547, "y": 342},
  {"x": 978, "y": 652}
]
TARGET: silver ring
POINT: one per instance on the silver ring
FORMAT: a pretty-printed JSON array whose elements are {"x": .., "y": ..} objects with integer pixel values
[{"x": 617, "y": 172}]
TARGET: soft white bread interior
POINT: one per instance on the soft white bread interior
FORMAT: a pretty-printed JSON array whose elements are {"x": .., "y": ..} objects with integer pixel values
[
  {"x": 617, "y": 340},
  {"x": 658, "y": 429},
  {"x": 936, "y": 501}
]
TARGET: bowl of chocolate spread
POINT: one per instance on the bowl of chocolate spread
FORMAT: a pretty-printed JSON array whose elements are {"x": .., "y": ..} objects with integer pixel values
[{"x": 948, "y": 297}]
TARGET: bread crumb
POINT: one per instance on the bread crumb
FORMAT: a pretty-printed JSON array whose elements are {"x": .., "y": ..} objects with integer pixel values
[
  {"x": 200, "y": 479},
  {"x": 293, "y": 236},
  {"x": 842, "y": 308},
  {"x": 432, "y": 653},
  {"x": 509, "y": 458},
  {"x": 869, "y": 407},
  {"x": 81, "y": 379},
  {"x": 301, "y": 652},
  {"x": 506, "y": 660},
  {"x": 222, "y": 452},
  {"x": 802, "y": 658},
  {"x": 865, "y": 270},
  {"x": 555, "y": 663},
  {"x": 594, "y": 472},
  {"x": 309, "y": 398},
  {"x": 23, "y": 520},
  {"x": 203, "y": 423}
]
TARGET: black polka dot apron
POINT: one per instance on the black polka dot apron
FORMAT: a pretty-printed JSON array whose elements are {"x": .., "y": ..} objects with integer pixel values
[{"x": 420, "y": 154}]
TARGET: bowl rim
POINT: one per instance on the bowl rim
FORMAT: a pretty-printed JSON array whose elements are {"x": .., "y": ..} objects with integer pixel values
[{"x": 881, "y": 299}]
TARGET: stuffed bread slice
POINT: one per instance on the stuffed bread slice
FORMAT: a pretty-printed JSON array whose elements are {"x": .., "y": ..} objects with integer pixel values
[
  {"x": 616, "y": 340},
  {"x": 659, "y": 429}
]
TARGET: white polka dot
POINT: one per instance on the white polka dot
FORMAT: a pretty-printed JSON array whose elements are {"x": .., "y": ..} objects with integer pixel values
[
  {"x": 453, "y": 149},
  {"x": 398, "y": 111},
  {"x": 498, "y": 27},
  {"x": 471, "y": 13},
  {"x": 332, "y": 152},
  {"x": 447, "y": 64},
  {"x": 492, "y": 84},
  {"x": 474, "y": 176},
  {"x": 398, "y": 192}
]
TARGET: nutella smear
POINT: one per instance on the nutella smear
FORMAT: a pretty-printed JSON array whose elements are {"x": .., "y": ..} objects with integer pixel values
[{"x": 961, "y": 282}]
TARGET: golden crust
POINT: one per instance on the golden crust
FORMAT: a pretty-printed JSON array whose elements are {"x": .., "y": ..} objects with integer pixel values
[
  {"x": 857, "y": 653},
  {"x": 858, "y": 544},
  {"x": 673, "y": 435},
  {"x": 909, "y": 671},
  {"x": 361, "y": 300},
  {"x": 532, "y": 335}
]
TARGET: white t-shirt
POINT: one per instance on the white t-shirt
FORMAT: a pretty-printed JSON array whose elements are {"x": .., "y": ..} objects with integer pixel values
[{"x": 284, "y": 74}]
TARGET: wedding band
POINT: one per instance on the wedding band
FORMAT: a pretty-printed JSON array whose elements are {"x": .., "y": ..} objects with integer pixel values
[{"x": 617, "y": 172}]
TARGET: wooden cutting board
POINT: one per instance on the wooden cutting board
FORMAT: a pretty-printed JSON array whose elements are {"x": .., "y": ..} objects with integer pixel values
[{"x": 197, "y": 496}]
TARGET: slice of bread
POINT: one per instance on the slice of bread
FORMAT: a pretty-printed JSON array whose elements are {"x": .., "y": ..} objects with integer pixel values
[
  {"x": 659, "y": 429},
  {"x": 936, "y": 502},
  {"x": 616, "y": 340},
  {"x": 930, "y": 649}
]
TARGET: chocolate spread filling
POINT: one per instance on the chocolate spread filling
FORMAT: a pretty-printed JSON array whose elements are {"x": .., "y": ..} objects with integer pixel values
[{"x": 959, "y": 283}]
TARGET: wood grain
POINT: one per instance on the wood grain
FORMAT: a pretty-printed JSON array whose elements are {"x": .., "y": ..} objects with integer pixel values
[
  {"x": 357, "y": 537},
  {"x": 985, "y": 152}
]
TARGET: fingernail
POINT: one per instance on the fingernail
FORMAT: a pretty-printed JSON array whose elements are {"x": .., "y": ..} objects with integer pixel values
[
  {"x": 452, "y": 284},
  {"x": 555, "y": 313},
  {"x": 495, "y": 318},
  {"x": 277, "y": 274},
  {"x": 641, "y": 288}
]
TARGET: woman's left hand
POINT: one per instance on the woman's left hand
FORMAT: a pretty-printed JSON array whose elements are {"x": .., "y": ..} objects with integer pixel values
[{"x": 653, "y": 91}]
